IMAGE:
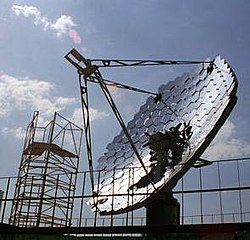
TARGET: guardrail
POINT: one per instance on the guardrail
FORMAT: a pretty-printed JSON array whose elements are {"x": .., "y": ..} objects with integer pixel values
[{"x": 218, "y": 193}]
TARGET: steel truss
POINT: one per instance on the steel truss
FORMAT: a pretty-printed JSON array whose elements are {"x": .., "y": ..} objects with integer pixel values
[
  {"x": 45, "y": 187},
  {"x": 88, "y": 70},
  {"x": 90, "y": 73}
]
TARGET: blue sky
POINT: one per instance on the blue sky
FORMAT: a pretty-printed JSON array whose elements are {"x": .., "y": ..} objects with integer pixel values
[{"x": 35, "y": 36}]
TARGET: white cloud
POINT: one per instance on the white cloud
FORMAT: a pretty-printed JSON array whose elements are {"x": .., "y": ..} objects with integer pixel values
[
  {"x": 63, "y": 101},
  {"x": 95, "y": 114},
  {"x": 76, "y": 118},
  {"x": 61, "y": 25},
  {"x": 31, "y": 11},
  {"x": 227, "y": 145},
  {"x": 19, "y": 94},
  {"x": 26, "y": 11},
  {"x": 17, "y": 132},
  {"x": 24, "y": 93}
]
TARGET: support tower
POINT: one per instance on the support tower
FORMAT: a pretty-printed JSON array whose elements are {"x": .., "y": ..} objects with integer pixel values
[{"x": 47, "y": 174}]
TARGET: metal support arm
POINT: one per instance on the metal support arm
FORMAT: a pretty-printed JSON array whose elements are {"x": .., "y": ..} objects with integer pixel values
[{"x": 85, "y": 68}]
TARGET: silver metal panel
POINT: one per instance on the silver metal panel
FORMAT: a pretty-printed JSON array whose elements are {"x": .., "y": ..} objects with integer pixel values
[{"x": 204, "y": 98}]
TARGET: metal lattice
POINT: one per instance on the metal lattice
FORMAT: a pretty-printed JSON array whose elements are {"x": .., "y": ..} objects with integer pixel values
[{"x": 47, "y": 174}]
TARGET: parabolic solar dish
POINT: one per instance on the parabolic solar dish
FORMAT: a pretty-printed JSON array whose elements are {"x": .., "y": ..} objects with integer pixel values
[{"x": 170, "y": 135}]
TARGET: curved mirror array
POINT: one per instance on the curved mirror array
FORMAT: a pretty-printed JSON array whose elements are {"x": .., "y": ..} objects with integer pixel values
[{"x": 170, "y": 133}]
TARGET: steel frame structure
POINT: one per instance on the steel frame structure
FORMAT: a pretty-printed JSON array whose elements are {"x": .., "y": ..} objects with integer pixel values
[
  {"x": 46, "y": 182},
  {"x": 88, "y": 71}
]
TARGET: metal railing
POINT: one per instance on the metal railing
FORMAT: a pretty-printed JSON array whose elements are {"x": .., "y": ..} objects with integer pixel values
[{"x": 218, "y": 193}]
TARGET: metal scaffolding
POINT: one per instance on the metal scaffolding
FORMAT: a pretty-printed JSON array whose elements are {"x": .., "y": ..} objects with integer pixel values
[{"x": 46, "y": 182}]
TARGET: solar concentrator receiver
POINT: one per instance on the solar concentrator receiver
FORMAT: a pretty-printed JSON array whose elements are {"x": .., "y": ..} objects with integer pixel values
[
  {"x": 166, "y": 136},
  {"x": 196, "y": 104}
]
